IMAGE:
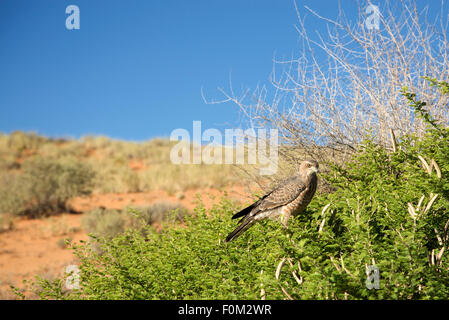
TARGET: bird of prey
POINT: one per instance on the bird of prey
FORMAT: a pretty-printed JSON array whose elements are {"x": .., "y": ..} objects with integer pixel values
[{"x": 288, "y": 198}]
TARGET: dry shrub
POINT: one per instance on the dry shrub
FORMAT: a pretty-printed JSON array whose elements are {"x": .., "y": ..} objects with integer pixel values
[
  {"x": 44, "y": 187},
  {"x": 346, "y": 83},
  {"x": 105, "y": 223},
  {"x": 162, "y": 211},
  {"x": 108, "y": 223}
]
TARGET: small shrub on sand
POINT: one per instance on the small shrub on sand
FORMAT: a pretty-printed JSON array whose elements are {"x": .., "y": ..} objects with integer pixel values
[
  {"x": 105, "y": 223},
  {"x": 45, "y": 186},
  {"x": 162, "y": 211},
  {"x": 108, "y": 223}
]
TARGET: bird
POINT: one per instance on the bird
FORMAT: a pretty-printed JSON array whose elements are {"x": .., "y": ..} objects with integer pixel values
[{"x": 289, "y": 198}]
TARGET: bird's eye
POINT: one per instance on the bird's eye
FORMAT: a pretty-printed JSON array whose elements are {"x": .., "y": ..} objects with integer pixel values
[{"x": 309, "y": 165}]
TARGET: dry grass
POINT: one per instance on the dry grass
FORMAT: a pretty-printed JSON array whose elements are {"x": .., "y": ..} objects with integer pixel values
[
  {"x": 108, "y": 223},
  {"x": 118, "y": 166}
]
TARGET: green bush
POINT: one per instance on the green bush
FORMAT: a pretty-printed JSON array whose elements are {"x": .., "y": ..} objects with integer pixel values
[
  {"x": 179, "y": 262},
  {"x": 44, "y": 186},
  {"x": 390, "y": 210}
]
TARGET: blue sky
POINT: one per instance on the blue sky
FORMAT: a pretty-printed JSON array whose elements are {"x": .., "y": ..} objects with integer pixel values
[{"x": 135, "y": 68}]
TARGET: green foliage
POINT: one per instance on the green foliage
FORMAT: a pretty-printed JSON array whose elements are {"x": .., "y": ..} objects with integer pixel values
[
  {"x": 180, "y": 262},
  {"x": 44, "y": 186},
  {"x": 367, "y": 223}
]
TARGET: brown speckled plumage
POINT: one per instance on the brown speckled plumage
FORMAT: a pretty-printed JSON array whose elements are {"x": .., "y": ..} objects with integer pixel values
[{"x": 289, "y": 198}]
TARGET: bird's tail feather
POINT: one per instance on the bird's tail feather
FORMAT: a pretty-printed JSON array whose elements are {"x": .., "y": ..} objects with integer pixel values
[
  {"x": 244, "y": 212},
  {"x": 240, "y": 229}
]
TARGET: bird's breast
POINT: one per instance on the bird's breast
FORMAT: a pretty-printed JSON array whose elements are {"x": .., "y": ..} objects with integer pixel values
[{"x": 303, "y": 200}]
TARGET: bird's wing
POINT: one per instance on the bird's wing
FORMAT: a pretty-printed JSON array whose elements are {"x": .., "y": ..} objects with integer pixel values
[
  {"x": 243, "y": 213},
  {"x": 287, "y": 191}
]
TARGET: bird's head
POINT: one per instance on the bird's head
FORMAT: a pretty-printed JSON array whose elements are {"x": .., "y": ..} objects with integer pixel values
[{"x": 308, "y": 168}]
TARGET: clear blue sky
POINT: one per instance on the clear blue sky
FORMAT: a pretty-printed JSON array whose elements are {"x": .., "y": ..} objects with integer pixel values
[{"x": 135, "y": 68}]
